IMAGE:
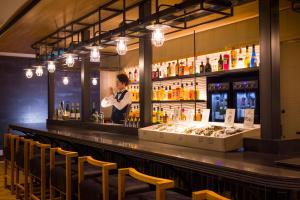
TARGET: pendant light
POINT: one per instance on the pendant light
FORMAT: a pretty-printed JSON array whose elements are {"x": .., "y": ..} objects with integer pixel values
[
  {"x": 65, "y": 80},
  {"x": 94, "y": 81},
  {"x": 51, "y": 66},
  {"x": 158, "y": 35},
  {"x": 39, "y": 70},
  {"x": 28, "y": 73},
  {"x": 70, "y": 60},
  {"x": 122, "y": 40}
]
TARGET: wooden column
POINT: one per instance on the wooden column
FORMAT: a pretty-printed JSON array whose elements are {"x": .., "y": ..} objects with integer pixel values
[
  {"x": 85, "y": 92},
  {"x": 145, "y": 70},
  {"x": 269, "y": 41},
  {"x": 51, "y": 95}
]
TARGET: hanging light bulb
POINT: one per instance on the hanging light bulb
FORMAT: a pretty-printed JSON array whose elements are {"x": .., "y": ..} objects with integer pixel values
[
  {"x": 121, "y": 45},
  {"x": 51, "y": 66},
  {"x": 70, "y": 60},
  {"x": 94, "y": 81},
  {"x": 39, "y": 70},
  {"x": 95, "y": 52},
  {"x": 158, "y": 35},
  {"x": 65, "y": 80},
  {"x": 28, "y": 73}
]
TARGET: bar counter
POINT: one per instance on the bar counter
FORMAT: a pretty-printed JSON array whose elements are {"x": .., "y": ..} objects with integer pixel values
[{"x": 247, "y": 167}]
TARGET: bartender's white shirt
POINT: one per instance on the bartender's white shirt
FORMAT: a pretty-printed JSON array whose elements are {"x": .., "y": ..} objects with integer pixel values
[{"x": 111, "y": 101}]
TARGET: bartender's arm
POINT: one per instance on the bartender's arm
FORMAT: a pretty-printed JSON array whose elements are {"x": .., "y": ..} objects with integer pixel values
[{"x": 111, "y": 101}]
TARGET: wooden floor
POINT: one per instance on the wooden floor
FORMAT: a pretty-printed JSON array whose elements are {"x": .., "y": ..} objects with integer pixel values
[{"x": 5, "y": 194}]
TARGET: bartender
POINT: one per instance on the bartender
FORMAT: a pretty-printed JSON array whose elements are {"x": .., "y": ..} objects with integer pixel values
[{"x": 120, "y": 101}]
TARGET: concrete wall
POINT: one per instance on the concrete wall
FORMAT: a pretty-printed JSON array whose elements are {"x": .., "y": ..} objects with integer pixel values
[{"x": 240, "y": 34}]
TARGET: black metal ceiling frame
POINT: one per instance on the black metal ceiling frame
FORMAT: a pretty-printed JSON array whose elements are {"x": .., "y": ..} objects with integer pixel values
[{"x": 129, "y": 28}]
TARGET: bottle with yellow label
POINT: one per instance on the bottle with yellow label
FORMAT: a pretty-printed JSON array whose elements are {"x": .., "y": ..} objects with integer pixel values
[
  {"x": 182, "y": 92},
  {"x": 192, "y": 92},
  {"x": 197, "y": 91},
  {"x": 198, "y": 115},
  {"x": 192, "y": 68},
  {"x": 154, "y": 120},
  {"x": 170, "y": 93},
  {"x": 161, "y": 115}
]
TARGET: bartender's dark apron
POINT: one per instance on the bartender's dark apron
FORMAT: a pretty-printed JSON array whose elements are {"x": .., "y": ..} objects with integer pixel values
[{"x": 117, "y": 116}]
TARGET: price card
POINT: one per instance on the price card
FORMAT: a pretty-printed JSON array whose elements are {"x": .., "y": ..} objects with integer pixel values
[
  {"x": 249, "y": 118},
  {"x": 205, "y": 115},
  {"x": 229, "y": 117}
]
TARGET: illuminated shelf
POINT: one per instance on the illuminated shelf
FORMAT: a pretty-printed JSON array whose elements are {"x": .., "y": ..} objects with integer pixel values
[
  {"x": 135, "y": 102},
  {"x": 180, "y": 101},
  {"x": 209, "y": 74}
]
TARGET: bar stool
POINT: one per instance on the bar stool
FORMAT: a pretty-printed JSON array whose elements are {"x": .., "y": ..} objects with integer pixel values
[
  {"x": 64, "y": 178},
  {"x": 22, "y": 165},
  {"x": 9, "y": 160},
  {"x": 104, "y": 186},
  {"x": 39, "y": 168},
  {"x": 207, "y": 194}
]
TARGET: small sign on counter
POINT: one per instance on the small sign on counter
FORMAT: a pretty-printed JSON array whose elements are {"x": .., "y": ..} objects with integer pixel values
[
  {"x": 205, "y": 115},
  {"x": 249, "y": 118},
  {"x": 229, "y": 117}
]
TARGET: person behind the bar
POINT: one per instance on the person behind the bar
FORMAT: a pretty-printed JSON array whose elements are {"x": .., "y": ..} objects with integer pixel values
[{"x": 120, "y": 100}]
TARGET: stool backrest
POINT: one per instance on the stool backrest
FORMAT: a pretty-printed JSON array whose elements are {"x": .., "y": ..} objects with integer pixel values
[
  {"x": 160, "y": 183},
  {"x": 104, "y": 167},
  {"x": 207, "y": 195},
  {"x": 68, "y": 156}
]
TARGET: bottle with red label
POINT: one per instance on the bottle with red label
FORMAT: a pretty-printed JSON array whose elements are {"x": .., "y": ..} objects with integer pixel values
[{"x": 226, "y": 59}]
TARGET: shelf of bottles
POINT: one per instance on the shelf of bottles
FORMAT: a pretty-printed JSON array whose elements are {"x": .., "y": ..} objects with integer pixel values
[
  {"x": 133, "y": 88},
  {"x": 67, "y": 111},
  {"x": 180, "y": 85}
]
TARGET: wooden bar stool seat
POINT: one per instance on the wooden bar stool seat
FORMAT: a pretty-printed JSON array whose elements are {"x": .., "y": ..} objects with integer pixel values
[
  {"x": 92, "y": 188},
  {"x": 161, "y": 192}
]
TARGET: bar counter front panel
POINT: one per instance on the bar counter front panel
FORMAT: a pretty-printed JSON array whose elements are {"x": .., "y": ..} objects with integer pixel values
[{"x": 241, "y": 175}]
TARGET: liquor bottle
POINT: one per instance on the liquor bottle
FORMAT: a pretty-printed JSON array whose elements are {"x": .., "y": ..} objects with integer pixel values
[
  {"x": 136, "y": 75},
  {"x": 174, "y": 97},
  {"x": 198, "y": 115},
  {"x": 130, "y": 76},
  {"x": 192, "y": 92},
  {"x": 61, "y": 109},
  {"x": 233, "y": 58},
  {"x": 207, "y": 66},
  {"x": 165, "y": 118},
  {"x": 220, "y": 63},
  {"x": 93, "y": 108},
  {"x": 72, "y": 111},
  {"x": 153, "y": 75},
  {"x": 186, "y": 92},
  {"x": 247, "y": 58},
  {"x": 137, "y": 93},
  {"x": 197, "y": 91},
  {"x": 186, "y": 69},
  {"x": 169, "y": 70},
  {"x": 182, "y": 115},
  {"x": 166, "y": 93},
  {"x": 226, "y": 61},
  {"x": 253, "y": 57},
  {"x": 162, "y": 93},
  {"x": 182, "y": 92},
  {"x": 173, "y": 69},
  {"x": 154, "y": 94},
  {"x": 170, "y": 93},
  {"x": 154, "y": 121},
  {"x": 67, "y": 112},
  {"x": 197, "y": 68},
  {"x": 77, "y": 114},
  {"x": 161, "y": 115},
  {"x": 192, "y": 68},
  {"x": 138, "y": 111},
  {"x": 178, "y": 92},
  {"x": 181, "y": 69},
  {"x": 240, "y": 63},
  {"x": 177, "y": 69},
  {"x": 157, "y": 72},
  {"x": 202, "y": 67}
]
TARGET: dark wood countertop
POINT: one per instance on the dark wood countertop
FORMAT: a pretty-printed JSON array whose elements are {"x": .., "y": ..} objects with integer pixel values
[{"x": 252, "y": 167}]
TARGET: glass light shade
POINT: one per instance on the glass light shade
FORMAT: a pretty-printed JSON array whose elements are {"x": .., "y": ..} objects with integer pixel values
[
  {"x": 121, "y": 45},
  {"x": 39, "y": 71},
  {"x": 158, "y": 35},
  {"x": 66, "y": 80},
  {"x": 70, "y": 61},
  {"x": 28, "y": 73},
  {"x": 94, "y": 81},
  {"x": 95, "y": 54},
  {"x": 51, "y": 66}
]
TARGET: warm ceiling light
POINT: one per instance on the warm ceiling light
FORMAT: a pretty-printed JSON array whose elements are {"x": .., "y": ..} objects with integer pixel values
[
  {"x": 66, "y": 80},
  {"x": 39, "y": 70},
  {"x": 158, "y": 35},
  {"x": 95, "y": 52},
  {"x": 70, "y": 60},
  {"x": 121, "y": 45},
  {"x": 51, "y": 66},
  {"x": 94, "y": 81},
  {"x": 28, "y": 73}
]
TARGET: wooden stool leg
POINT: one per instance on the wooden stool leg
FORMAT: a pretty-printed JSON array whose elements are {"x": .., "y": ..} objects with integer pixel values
[
  {"x": 5, "y": 173},
  {"x": 26, "y": 185},
  {"x": 43, "y": 174},
  {"x": 17, "y": 181},
  {"x": 12, "y": 165}
]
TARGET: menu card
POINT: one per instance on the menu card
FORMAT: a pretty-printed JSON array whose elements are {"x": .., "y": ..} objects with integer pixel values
[
  {"x": 205, "y": 115},
  {"x": 249, "y": 118},
  {"x": 229, "y": 117}
]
